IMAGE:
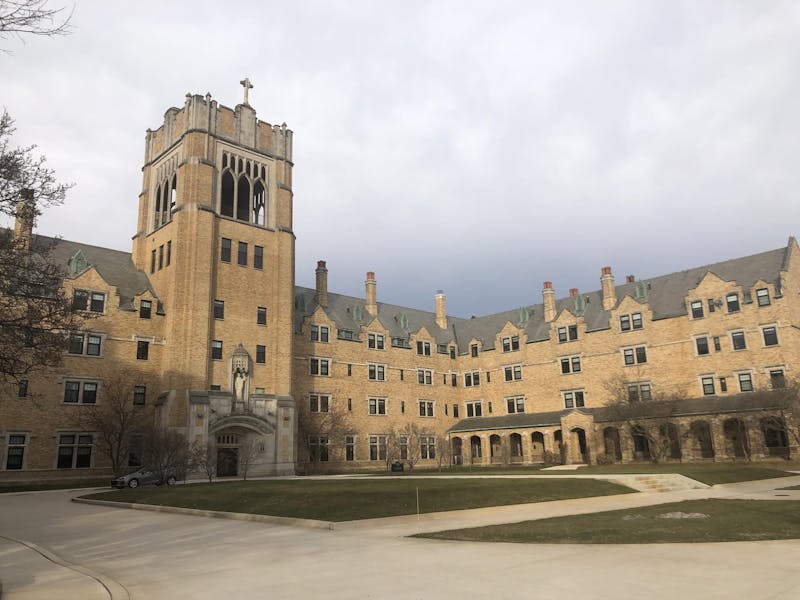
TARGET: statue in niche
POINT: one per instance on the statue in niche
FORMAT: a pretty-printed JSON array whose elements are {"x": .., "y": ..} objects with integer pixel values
[{"x": 240, "y": 383}]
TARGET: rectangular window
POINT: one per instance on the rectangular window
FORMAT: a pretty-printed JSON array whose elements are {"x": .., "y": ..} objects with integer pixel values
[
  {"x": 473, "y": 349},
  {"x": 723, "y": 384},
  {"x": 89, "y": 392},
  {"x": 139, "y": 395},
  {"x": 169, "y": 253},
  {"x": 427, "y": 447},
  {"x": 320, "y": 366},
  {"x": 717, "y": 346},
  {"x": 22, "y": 388},
  {"x": 515, "y": 405},
  {"x": 441, "y": 348},
  {"x": 472, "y": 379},
  {"x": 513, "y": 372},
  {"x": 318, "y": 448},
  {"x": 455, "y": 411},
  {"x": 770, "y": 336},
  {"x": 145, "y": 308},
  {"x": 258, "y": 257},
  {"x": 453, "y": 352},
  {"x": 424, "y": 348},
  {"x": 83, "y": 392},
  {"x": 377, "y": 447},
  {"x": 425, "y": 408},
  {"x": 636, "y": 320},
  {"x": 143, "y": 350},
  {"x": 72, "y": 391},
  {"x": 15, "y": 453},
  {"x": 319, "y": 403},
  {"x": 625, "y": 323},
  {"x": 225, "y": 250},
  {"x": 261, "y": 354},
  {"x": 80, "y": 299},
  {"x": 474, "y": 409},
  {"x": 708, "y": 386},
  {"x": 346, "y": 334},
  {"x": 573, "y": 399},
  {"x": 424, "y": 376},
  {"x": 98, "y": 302},
  {"x": 241, "y": 255},
  {"x": 745, "y": 382},
  {"x": 570, "y": 364},
  {"x": 762, "y": 297},
  {"x": 377, "y": 406},
  {"x": 738, "y": 341},
  {"x": 152, "y": 261},
  {"x": 702, "y": 345},
  {"x": 511, "y": 344},
  {"x": 639, "y": 391},
  {"x": 375, "y": 341},
  {"x": 320, "y": 333},
  {"x": 376, "y": 372},
  {"x": 261, "y": 315},
  {"x": 567, "y": 334},
  {"x": 216, "y": 350},
  {"x": 161, "y": 257},
  {"x": 732, "y": 300},
  {"x": 777, "y": 379},
  {"x": 697, "y": 309},
  {"x": 219, "y": 309},
  {"x": 634, "y": 356},
  {"x": 74, "y": 451},
  {"x": 76, "y": 343},
  {"x": 349, "y": 447}
]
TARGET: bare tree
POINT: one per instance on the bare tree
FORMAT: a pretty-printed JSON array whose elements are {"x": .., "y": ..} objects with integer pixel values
[
  {"x": 36, "y": 314},
  {"x": 649, "y": 415},
  {"x": 19, "y": 18},
  {"x": 444, "y": 451},
  {"x": 249, "y": 451},
  {"x": 117, "y": 420},
  {"x": 324, "y": 426},
  {"x": 165, "y": 453},
  {"x": 203, "y": 457}
]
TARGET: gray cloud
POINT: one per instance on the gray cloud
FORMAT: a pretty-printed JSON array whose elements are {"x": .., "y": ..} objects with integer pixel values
[{"x": 476, "y": 148}]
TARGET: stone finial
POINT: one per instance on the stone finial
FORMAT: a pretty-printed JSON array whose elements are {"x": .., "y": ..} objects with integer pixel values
[{"x": 245, "y": 83}]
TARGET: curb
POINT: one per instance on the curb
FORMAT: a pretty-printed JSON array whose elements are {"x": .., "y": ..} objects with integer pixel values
[
  {"x": 217, "y": 514},
  {"x": 115, "y": 590}
]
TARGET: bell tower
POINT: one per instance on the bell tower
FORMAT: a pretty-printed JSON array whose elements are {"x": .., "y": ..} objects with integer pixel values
[{"x": 215, "y": 238}]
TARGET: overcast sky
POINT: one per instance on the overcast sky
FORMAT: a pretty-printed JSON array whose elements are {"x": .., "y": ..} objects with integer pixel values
[{"x": 480, "y": 148}]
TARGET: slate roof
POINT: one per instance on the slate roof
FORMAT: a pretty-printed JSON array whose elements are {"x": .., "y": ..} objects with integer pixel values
[
  {"x": 665, "y": 295},
  {"x": 115, "y": 266},
  {"x": 706, "y": 405}
]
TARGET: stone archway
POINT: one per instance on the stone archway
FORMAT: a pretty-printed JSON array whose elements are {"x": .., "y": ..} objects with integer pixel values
[
  {"x": 515, "y": 443},
  {"x": 537, "y": 447},
  {"x": 244, "y": 444},
  {"x": 579, "y": 445},
  {"x": 776, "y": 442},
  {"x": 641, "y": 445},
  {"x": 456, "y": 450},
  {"x": 497, "y": 452},
  {"x": 475, "y": 450},
  {"x": 736, "y": 443},
  {"x": 611, "y": 444},
  {"x": 702, "y": 442}
]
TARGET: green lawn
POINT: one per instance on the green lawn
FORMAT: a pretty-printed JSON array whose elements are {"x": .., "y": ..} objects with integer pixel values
[
  {"x": 345, "y": 500},
  {"x": 726, "y": 521}
]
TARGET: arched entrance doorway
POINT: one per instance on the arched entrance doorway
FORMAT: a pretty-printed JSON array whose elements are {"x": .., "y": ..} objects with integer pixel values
[
  {"x": 537, "y": 446},
  {"x": 243, "y": 443},
  {"x": 579, "y": 441}
]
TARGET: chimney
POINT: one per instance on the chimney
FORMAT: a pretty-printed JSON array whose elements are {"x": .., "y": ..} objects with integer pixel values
[
  {"x": 371, "y": 294},
  {"x": 322, "y": 284},
  {"x": 630, "y": 279},
  {"x": 549, "y": 299},
  {"x": 609, "y": 289},
  {"x": 441, "y": 309},
  {"x": 23, "y": 225},
  {"x": 573, "y": 292}
]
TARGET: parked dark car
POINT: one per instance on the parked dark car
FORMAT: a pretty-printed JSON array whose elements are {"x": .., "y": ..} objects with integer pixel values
[{"x": 143, "y": 477}]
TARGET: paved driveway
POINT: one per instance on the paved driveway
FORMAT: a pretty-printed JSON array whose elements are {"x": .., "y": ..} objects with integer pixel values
[{"x": 146, "y": 555}]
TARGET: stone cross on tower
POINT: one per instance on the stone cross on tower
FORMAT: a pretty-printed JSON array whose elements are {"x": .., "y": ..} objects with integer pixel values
[{"x": 247, "y": 86}]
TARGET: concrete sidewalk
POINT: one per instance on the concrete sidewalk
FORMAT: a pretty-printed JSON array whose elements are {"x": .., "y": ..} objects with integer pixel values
[
  {"x": 765, "y": 489},
  {"x": 32, "y": 573}
]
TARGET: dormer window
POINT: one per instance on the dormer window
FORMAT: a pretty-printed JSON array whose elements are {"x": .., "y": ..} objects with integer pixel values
[
  {"x": 732, "y": 301},
  {"x": 567, "y": 334},
  {"x": 511, "y": 343}
]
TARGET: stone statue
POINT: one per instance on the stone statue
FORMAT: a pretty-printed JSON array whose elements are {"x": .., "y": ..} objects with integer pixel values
[{"x": 240, "y": 388}]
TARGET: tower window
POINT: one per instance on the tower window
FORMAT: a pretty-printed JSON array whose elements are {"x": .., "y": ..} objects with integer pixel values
[
  {"x": 241, "y": 257},
  {"x": 226, "y": 199},
  {"x": 145, "y": 308},
  {"x": 258, "y": 257},
  {"x": 219, "y": 309},
  {"x": 243, "y": 200},
  {"x": 225, "y": 250}
]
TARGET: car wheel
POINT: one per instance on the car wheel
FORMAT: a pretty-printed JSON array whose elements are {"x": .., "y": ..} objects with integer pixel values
[
  {"x": 171, "y": 480},
  {"x": 133, "y": 483}
]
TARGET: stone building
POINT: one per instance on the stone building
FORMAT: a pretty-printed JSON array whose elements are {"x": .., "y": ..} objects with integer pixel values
[{"x": 204, "y": 324}]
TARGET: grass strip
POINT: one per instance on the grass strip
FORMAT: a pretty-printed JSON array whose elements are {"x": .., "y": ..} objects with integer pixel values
[
  {"x": 692, "y": 521},
  {"x": 346, "y": 500}
]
